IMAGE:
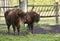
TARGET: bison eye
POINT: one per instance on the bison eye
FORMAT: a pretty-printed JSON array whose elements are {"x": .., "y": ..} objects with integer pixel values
[{"x": 20, "y": 15}]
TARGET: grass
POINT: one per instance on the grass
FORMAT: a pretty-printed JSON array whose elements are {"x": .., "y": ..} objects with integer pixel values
[
  {"x": 31, "y": 37},
  {"x": 3, "y": 28}
]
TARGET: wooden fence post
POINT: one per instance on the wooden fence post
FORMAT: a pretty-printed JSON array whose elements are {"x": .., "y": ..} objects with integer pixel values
[{"x": 56, "y": 13}]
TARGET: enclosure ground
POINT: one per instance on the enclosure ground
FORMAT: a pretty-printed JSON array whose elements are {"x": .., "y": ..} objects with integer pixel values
[
  {"x": 37, "y": 30},
  {"x": 40, "y": 33}
]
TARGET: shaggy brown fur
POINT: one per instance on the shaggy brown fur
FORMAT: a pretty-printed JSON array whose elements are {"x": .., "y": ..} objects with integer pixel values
[
  {"x": 15, "y": 18},
  {"x": 31, "y": 18}
]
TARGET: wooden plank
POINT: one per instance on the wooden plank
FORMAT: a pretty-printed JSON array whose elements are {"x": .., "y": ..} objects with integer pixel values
[{"x": 8, "y": 6}]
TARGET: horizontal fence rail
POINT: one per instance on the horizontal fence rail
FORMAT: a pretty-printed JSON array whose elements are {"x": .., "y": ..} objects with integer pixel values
[
  {"x": 8, "y": 6},
  {"x": 40, "y": 5},
  {"x": 42, "y": 16}
]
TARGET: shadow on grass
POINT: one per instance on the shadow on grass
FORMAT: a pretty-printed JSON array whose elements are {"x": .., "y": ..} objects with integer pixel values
[{"x": 37, "y": 30}]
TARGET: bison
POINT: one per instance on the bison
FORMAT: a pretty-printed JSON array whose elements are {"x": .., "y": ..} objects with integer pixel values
[
  {"x": 31, "y": 18},
  {"x": 14, "y": 17}
]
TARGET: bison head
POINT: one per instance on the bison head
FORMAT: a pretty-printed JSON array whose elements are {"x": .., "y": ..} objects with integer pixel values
[{"x": 34, "y": 16}]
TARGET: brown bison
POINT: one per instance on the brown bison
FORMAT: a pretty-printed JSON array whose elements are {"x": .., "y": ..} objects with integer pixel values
[
  {"x": 14, "y": 17},
  {"x": 31, "y": 18}
]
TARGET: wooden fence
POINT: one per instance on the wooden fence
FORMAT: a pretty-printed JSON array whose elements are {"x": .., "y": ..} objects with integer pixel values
[{"x": 45, "y": 11}]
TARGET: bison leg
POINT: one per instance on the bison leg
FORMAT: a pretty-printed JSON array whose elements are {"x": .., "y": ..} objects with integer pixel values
[
  {"x": 29, "y": 25},
  {"x": 18, "y": 29},
  {"x": 8, "y": 26},
  {"x": 30, "y": 28},
  {"x": 8, "y": 29},
  {"x": 14, "y": 29}
]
